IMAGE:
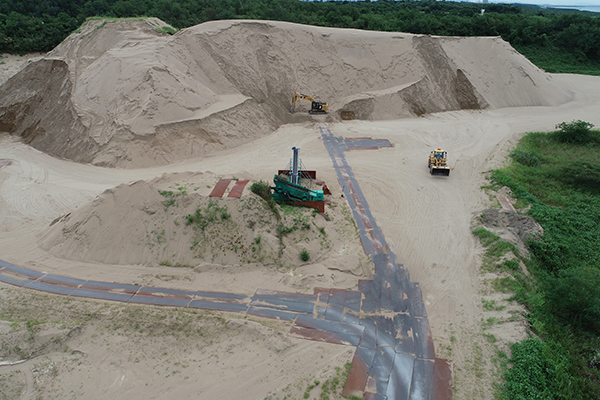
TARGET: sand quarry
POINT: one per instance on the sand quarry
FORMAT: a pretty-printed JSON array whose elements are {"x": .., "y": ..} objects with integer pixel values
[{"x": 93, "y": 132}]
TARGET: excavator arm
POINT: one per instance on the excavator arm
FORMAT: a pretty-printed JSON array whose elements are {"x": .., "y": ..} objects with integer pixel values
[{"x": 299, "y": 96}]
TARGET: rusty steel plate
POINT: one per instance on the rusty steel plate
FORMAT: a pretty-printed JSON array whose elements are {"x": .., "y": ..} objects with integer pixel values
[
  {"x": 359, "y": 372},
  {"x": 238, "y": 188},
  {"x": 220, "y": 187},
  {"x": 442, "y": 376}
]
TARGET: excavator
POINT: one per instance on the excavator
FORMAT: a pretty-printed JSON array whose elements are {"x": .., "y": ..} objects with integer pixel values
[
  {"x": 437, "y": 163},
  {"x": 317, "y": 107}
]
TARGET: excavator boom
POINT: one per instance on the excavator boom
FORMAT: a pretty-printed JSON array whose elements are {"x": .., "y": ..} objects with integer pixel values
[{"x": 317, "y": 107}]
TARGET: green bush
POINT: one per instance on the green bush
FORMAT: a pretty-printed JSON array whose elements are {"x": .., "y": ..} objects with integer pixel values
[
  {"x": 304, "y": 255},
  {"x": 574, "y": 296},
  {"x": 575, "y": 132},
  {"x": 525, "y": 157},
  {"x": 263, "y": 190}
]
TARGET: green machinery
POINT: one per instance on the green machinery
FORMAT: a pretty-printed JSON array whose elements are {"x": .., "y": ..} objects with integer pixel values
[{"x": 292, "y": 185}]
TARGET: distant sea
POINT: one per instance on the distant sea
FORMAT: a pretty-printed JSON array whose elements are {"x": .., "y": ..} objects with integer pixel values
[{"x": 582, "y": 8}]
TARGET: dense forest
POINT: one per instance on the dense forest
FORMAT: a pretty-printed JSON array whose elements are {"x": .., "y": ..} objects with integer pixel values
[{"x": 555, "y": 40}]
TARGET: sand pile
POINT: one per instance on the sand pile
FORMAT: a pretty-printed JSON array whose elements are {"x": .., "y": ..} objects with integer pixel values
[
  {"x": 125, "y": 94},
  {"x": 171, "y": 221}
]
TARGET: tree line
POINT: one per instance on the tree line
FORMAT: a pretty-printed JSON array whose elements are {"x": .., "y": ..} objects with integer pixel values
[{"x": 40, "y": 25}]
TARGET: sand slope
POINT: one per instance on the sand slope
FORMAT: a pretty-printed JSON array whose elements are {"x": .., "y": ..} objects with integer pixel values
[{"x": 122, "y": 94}]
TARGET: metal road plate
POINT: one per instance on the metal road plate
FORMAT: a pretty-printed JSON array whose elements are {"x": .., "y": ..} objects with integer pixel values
[
  {"x": 265, "y": 293},
  {"x": 400, "y": 377},
  {"x": 442, "y": 388},
  {"x": 422, "y": 380},
  {"x": 48, "y": 287},
  {"x": 369, "y": 338},
  {"x": 270, "y": 313},
  {"x": 370, "y": 301},
  {"x": 423, "y": 340},
  {"x": 382, "y": 364},
  {"x": 238, "y": 188},
  {"x": 350, "y": 318},
  {"x": 113, "y": 287},
  {"x": 284, "y": 305},
  {"x": 103, "y": 295},
  {"x": 386, "y": 332},
  {"x": 160, "y": 301},
  {"x": 12, "y": 279},
  {"x": 325, "y": 336},
  {"x": 220, "y": 187},
  {"x": 404, "y": 333},
  {"x": 374, "y": 396},
  {"x": 213, "y": 305},
  {"x": 359, "y": 372},
  {"x": 149, "y": 291},
  {"x": 62, "y": 280},
  {"x": 334, "y": 313},
  {"x": 352, "y": 300},
  {"x": 26, "y": 272},
  {"x": 415, "y": 301},
  {"x": 330, "y": 326},
  {"x": 221, "y": 295}
]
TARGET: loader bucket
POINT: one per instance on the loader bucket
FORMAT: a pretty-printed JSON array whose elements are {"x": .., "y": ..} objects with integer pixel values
[{"x": 441, "y": 171}]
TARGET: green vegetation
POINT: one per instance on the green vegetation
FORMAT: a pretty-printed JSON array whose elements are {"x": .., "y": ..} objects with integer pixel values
[
  {"x": 554, "y": 39},
  {"x": 562, "y": 292},
  {"x": 262, "y": 189},
  {"x": 304, "y": 255},
  {"x": 204, "y": 217}
]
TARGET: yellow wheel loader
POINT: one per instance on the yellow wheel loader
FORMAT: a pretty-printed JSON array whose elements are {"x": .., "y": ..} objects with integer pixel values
[
  {"x": 437, "y": 163},
  {"x": 317, "y": 107}
]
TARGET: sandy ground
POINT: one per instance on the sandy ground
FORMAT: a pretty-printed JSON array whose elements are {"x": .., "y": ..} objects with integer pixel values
[{"x": 98, "y": 350}]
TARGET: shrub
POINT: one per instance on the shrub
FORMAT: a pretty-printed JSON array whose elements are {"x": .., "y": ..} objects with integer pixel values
[
  {"x": 263, "y": 190},
  {"x": 525, "y": 157},
  {"x": 304, "y": 255},
  {"x": 574, "y": 295},
  {"x": 576, "y": 132}
]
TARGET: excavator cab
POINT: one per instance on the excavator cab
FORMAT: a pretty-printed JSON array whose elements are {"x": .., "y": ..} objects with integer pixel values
[{"x": 318, "y": 107}]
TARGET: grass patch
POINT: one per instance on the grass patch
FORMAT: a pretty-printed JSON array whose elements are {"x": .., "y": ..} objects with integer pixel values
[{"x": 561, "y": 293}]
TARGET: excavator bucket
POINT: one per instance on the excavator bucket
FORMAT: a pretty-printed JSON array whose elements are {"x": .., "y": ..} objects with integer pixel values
[{"x": 441, "y": 171}]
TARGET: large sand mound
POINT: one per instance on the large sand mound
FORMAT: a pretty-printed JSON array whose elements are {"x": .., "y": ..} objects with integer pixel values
[
  {"x": 171, "y": 221},
  {"x": 121, "y": 93}
]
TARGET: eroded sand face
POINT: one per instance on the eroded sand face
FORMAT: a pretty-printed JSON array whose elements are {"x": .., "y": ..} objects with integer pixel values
[{"x": 426, "y": 219}]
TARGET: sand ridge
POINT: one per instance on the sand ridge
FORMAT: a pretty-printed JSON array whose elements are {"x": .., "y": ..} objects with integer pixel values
[{"x": 122, "y": 94}]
